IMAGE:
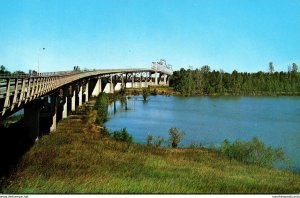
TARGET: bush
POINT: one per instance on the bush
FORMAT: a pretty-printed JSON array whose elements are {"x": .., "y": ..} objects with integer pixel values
[
  {"x": 253, "y": 152},
  {"x": 196, "y": 145},
  {"x": 146, "y": 93},
  {"x": 105, "y": 131},
  {"x": 159, "y": 141},
  {"x": 101, "y": 107},
  {"x": 154, "y": 92},
  {"x": 122, "y": 135},
  {"x": 135, "y": 92},
  {"x": 175, "y": 136},
  {"x": 149, "y": 140}
]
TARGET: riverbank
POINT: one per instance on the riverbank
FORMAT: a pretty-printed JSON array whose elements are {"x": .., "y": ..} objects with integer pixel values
[
  {"x": 164, "y": 90},
  {"x": 154, "y": 90},
  {"x": 78, "y": 159}
]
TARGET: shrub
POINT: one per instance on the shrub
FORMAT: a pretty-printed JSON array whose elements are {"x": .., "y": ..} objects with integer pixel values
[
  {"x": 154, "y": 92},
  {"x": 253, "y": 152},
  {"x": 101, "y": 107},
  {"x": 159, "y": 141},
  {"x": 105, "y": 131},
  {"x": 149, "y": 140},
  {"x": 196, "y": 145},
  {"x": 116, "y": 135},
  {"x": 122, "y": 135},
  {"x": 175, "y": 136},
  {"x": 135, "y": 92}
]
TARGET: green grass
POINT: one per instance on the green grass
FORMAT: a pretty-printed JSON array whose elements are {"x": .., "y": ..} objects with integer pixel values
[{"x": 78, "y": 159}]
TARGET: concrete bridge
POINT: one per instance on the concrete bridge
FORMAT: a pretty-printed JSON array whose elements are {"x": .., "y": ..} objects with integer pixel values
[{"x": 54, "y": 95}]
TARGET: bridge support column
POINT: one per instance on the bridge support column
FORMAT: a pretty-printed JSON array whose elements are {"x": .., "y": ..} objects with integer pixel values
[
  {"x": 159, "y": 79},
  {"x": 168, "y": 81},
  {"x": 65, "y": 108},
  {"x": 87, "y": 91},
  {"x": 97, "y": 88},
  {"x": 32, "y": 120},
  {"x": 73, "y": 105},
  {"x": 146, "y": 80},
  {"x": 122, "y": 81},
  {"x": 155, "y": 79},
  {"x": 141, "y": 81},
  {"x": 54, "y": 113},
  {"x": 126, "y": 79},
  {"x": 132, "y": 81},
  {"x": 149, "y": 82},
  {"x": 111, "y": 90},
  {"x": 80, "y": 96}
]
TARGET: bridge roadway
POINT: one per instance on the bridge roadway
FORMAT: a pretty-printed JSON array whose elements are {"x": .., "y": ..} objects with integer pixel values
[{"x": 66, "y": 90}]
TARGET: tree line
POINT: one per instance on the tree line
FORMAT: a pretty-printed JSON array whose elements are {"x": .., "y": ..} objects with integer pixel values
[{"x": 203, "y": 81}]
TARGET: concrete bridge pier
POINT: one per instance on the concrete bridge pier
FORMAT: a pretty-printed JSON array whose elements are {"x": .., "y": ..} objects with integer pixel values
[
  {"x": 53, "y": 104},
  {"x": 80, "y": 96},
  {"x": 87, "y": 91},
  {"x": 122, "y": 80},
  {"x": 65, "y": 107},
  {"x": 148, "y": 79},
  {"x": 141, "y": 80},
  {"x": 65, "y": 103},
  {"x": 155, "y": 79},
  {"x": 111, "y": 89},
  {"x": 159, "y": 79},
  {"x": 165, "y": 79},
  {"x": 132, "y": 80},
  {"x": 125, "y": 80},
  {"x": 73, "y": 101},
  {"x": 98, "y": 88}
]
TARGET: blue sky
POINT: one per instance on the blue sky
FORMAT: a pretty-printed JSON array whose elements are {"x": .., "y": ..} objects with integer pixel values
[{"x": 226, "y": 34}]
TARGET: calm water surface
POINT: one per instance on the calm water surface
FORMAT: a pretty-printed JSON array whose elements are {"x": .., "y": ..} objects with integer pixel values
[{"x": 210, "y": 120}]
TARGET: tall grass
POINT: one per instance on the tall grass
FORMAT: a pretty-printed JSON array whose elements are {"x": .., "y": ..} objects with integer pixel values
[{"x": 253, "y": 152}]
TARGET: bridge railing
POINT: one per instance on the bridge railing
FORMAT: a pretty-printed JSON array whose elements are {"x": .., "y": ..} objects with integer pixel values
[{"x": 43, "y": 74}]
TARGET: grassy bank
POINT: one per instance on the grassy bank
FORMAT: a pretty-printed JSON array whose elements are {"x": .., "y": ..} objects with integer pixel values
[
  {"x": 154, "y": 90},
  {"x": 78, "y": 159}
]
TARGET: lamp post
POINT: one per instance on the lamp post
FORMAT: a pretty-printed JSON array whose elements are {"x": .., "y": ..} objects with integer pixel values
[{"x": 40, "y": 49}]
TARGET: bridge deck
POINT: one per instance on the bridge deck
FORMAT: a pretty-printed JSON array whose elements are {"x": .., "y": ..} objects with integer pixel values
[{"x": 15, "y": 89}]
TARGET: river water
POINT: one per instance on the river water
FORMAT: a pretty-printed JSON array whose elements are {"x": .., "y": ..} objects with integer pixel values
[{"x": 210, "y": 120}]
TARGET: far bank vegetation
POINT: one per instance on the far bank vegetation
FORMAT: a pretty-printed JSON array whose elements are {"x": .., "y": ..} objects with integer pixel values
[{"x": 203, "y": 81}]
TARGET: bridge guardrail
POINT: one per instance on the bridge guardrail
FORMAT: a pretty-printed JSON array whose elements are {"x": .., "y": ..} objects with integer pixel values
[{"x": 44, "y": 74}]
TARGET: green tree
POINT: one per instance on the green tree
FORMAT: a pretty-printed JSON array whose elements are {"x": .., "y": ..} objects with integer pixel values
[
  {"x": 175, "y": 136},
  {"x": 295, "y": 68},
  {"x": 205, "y": 69},
  {"x": 204, "y": 81},
  {"x": 149, "y": 140},
  {"x": 3, "y": 70},
  {"x": 18, "y": 72},
  {"x": 271, "y": 67}
]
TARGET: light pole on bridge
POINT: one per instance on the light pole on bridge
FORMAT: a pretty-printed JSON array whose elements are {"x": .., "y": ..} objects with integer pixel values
[{"x": 39, "y": 52}]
